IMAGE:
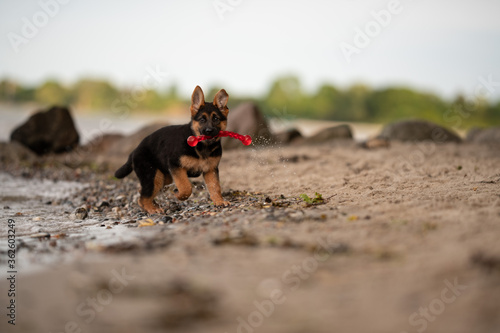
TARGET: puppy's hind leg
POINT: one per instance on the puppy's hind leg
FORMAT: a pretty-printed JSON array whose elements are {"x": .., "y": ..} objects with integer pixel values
[{"x": 152, "y": 181}]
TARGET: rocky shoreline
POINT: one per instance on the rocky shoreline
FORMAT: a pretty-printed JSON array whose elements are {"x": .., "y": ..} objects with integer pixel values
[{"x": 323, "y": 234}]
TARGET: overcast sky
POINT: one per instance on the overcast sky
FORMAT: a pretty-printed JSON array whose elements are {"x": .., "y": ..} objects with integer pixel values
[{"x": 443, "y": 46}]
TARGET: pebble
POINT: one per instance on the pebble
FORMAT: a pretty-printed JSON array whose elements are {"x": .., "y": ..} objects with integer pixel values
[
  {"x": 117, "y": 213},
  {"x": 41, "y": 235},
  {"x": 79, "y": 214},
  {"x": 102, "y": 204},
  {"x": 166, "y": 219}
]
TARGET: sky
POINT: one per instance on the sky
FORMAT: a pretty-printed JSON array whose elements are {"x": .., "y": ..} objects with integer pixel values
[{"x": 441, "y": 46}]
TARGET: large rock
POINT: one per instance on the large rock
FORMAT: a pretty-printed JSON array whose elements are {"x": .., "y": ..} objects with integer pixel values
[
  {"x": 104, "y": 143},
  {"x": 51, "y": 131},
  {"x": 330, "y": 133},
  {"x": 418, "y": 130},
  {"x": 114, "y": 150},
  {"x": 14, "y": 153},
  {"x": 288, "y": 136},
  {"x": 109, "y": 151},
  {"x": 247, "y": 119},
  {"x": 484, "y": 135}
]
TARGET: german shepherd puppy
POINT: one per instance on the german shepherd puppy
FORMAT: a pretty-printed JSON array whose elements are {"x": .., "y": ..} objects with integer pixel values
[{"x": 165, "y": 157}]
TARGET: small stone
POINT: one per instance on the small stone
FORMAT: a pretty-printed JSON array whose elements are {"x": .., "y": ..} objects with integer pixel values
[
  {"x": 41, "y": 235},
  {"x": 79, "y": 214},
  {"x": 103, "y": 204},
  {"x": 166, "y": 219},
  {"x": 117, "y": 213},
  {"x": 6, "y": 207},
  {"x": 38, "y": 218}
]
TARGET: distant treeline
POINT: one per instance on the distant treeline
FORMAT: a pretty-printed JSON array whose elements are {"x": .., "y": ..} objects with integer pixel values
[{"x": 285, "y": 98}]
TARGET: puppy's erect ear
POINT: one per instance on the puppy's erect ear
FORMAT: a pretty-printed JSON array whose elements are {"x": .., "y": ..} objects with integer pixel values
[
  {"x": 197, "y": 100},
  {"x": 220, "y": 100}
]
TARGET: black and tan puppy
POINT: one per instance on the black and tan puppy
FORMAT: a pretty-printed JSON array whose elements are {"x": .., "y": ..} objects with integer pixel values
[{"x": 165, "y": 157}]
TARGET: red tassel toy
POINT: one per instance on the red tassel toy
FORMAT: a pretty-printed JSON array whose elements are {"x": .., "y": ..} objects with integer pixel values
[{"x": 245, "y": 139}]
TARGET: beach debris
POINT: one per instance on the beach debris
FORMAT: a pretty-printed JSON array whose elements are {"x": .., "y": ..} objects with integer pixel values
[
  {"x": 41, "y": 235},
  {"x": 235, "y": 237},
  {"x": 317, "y": 199},
  {"x": 146, "y": 223},
  {"x": 80, "y": 213}
]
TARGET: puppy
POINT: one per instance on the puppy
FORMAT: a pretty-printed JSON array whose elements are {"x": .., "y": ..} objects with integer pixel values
[{"x": 165, "y": 157}]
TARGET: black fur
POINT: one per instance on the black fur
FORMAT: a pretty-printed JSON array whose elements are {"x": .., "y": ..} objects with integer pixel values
[
  {"x": 165, "y": 156},
  {"x": 162, "y": 150}
]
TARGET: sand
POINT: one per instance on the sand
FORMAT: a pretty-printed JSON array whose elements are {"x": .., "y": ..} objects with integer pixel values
[{"x": 407, "y": 240}]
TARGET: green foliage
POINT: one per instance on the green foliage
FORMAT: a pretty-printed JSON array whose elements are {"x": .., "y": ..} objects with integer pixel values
[
  {"x": 360, "y": 103},
  {"x": 51, "y": 93},
  {"x": 94, "y": 94},
  {"x": 285, "y": 98},
  {"x": 318, "y": 198}
]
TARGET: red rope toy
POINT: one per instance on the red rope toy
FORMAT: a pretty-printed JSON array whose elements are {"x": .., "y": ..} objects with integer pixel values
[{"x": 245, "y": 139}]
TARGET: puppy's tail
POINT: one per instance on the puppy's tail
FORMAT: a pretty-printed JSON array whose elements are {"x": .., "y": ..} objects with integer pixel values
[{"x": 125, "y": 169}]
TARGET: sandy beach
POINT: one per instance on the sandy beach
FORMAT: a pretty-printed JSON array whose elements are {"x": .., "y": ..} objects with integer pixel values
[{"x": 404, "y": 240}]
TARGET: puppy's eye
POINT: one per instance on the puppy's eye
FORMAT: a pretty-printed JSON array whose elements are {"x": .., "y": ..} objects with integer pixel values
[
  {"x": 202, "y": 120},
  {"x": 215, "y": 118}
]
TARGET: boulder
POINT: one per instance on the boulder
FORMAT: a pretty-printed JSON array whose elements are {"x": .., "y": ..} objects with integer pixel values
[
  {"x": 288, "y": 136},
  {"x": 246, "y": 119},
  {"x": 103, "y": 143},
  {"x": 14, "y": 153},
  {"x": 108, "y": 151},
  {"x": 330, "y": 133},
  {"x": 115, "y": 149},
  {"x": 484, "y": 135},
  {"x": 51, "y": 131},
  {"x": 418, "y": 130}
]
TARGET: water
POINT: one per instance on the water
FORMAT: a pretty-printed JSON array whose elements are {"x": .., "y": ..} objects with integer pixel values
[
  {"x": 92, "y": 124},
  {"x": 44, "y": 206},
  {"x": 88, "y": 124}
]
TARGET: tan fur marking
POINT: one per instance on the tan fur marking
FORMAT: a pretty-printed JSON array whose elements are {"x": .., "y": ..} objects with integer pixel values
[
  {"x": 223, "y": 125},
  {"x": 193, "y": 110},
  {"x": 199, "y": 164},
  {"x": 213, "y": 185},
  {"x": 147, "y": 203},
  {"x": 182, "y": 182},
  {"x": 225, "y": 111},
  {"x": 168, "y": 180},
  {"x": 196, "y": 128}
]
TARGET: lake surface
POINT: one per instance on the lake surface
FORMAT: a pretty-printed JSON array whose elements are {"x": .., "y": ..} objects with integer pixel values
[{"x": 90, "y": 125}]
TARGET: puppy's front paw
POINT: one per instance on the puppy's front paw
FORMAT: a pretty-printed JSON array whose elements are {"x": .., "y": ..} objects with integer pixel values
[
  {"x": 155, "y": 210},
  {"x": 222, "y": 203}
]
